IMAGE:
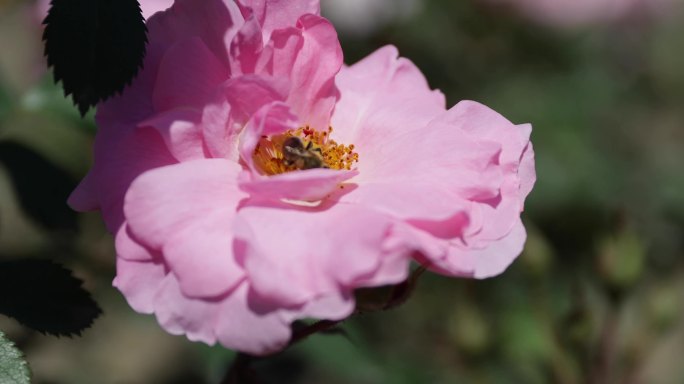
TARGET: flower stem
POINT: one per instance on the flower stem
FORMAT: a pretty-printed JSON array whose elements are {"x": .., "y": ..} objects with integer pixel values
[
  {"x": 319, "y": 326},
  {"x": 240, "y": 371}
]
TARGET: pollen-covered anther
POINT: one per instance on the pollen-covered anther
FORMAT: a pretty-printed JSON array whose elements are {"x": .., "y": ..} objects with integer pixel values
[{"x": 300, "y": 149}]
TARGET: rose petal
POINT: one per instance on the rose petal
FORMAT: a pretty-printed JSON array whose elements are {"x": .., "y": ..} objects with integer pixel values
[
  {"x": 277, "y": 14},
  {"x": 181, "y": 131},
  {"x": 498, "y": 215},
  {"x": 152, "y": 203},
  {"x": 122, "y": 152},
  {"x": 306, "y": 185},
  {"x": 186, "y": 210},
  {"x": 188, "y": 75},
  {"x": 496, "y": 257},
  {"x": 180, "y": 315},
  {"x": 526, "y": 172},
  {"x": 488, "y": 125},
  {"x": 139, "y": 282},
  {"x": 294, "y": 254},
  {"x": 439, "y": 154},
  {"x": 201, "y": 256},
  {"x": 382, "y": 96},
  {"x": 249, "y": 93},
  {"x": 407, "y": 201},
  {"x": 333, "y": 306},
  {"x": 309, "y": 56},
  {"x": 238, "y": 327},
  {"x": 220, "y": 131},
  {"x": 233, "y": 104},
  {"x": 247, "y": 47},
  {"x": 215, "y": 22},
  {"x": 129, "y": 249}
]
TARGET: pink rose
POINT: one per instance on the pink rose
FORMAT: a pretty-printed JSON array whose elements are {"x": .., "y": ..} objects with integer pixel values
[{"x": 251, "y": 179}]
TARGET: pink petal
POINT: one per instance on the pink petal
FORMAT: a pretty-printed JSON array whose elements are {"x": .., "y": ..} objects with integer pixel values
[
  {"x": 129, "y": 249},
  {"x": 249, "y": 93},
  {"x": 486, "y": 124},
  {"x": 439, "y": 154},
  {"x": 382, "y": 96},
  {"x": 429, "y": 176},
  {"x": 407, "y": 201},
  {"x": 228, "y": 319},
  {"x": 428, "y": 248},
  {"x": 294, "y": 254},
  {"x": 283, "y": 49},
  {"x": 186, "y": 211},
  {"x": 393, "y": 268},
  {"x": 201, "y": 256},
  {"x": 526, "y": 172},
  {"x": 498, "y": 215},
  {"x": 181, "y": 131},
  {"x": 313, "y": 94},
  {"x": 180, "y": 315},
  {"x": 214, "y": 22},
  {"x": 495, "y": 258},
  {"x": 501, "y": 213},
  {"x": 306, "y": 185},
  {"x": 220, "y": 131},
  {"x": 139, "y": 282},
  {"x": 277, "y": 14},
  {"x": 203, "y": 186},
  {"x": 465, "y": 165},
  {"x": 247, "y": 47},
  {"x": 310, "y": 56},
  {"x": 122, "y": 153},
  {"x": 239, "y": 327},
  {"x": 232, "y": 105},
  {"x": 333, "y": 306},
  {"x": 188, "y": 75}
]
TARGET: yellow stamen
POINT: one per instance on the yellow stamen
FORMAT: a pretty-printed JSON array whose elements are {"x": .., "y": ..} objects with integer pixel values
[{"x": 317, "y": 149}]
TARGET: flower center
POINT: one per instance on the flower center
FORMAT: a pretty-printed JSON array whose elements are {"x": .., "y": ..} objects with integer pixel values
[{"x": 300, "y": 149}]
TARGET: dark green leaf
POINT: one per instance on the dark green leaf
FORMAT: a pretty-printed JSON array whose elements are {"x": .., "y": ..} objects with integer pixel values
[
  {"x": 95, "y": 47},
  {"x": 45, "y": 296},
  {"x": 41, "y": 187},
  {"x": 13, "y": 367}
]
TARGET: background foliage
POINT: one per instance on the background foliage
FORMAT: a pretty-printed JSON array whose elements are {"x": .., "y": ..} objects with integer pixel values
[{"x": 597, "y": 296}]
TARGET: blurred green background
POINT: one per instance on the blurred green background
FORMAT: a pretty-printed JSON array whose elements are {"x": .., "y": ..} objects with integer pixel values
[{"x": 597, "y": 296}]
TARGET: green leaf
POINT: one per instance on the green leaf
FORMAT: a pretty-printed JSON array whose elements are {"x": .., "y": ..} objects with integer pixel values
[
  {"x": 45, "y": 296},
  {"x": 13, "y": 367},
  {"x": 41, "y": 186},
  {"x": 95, "y": 47}
]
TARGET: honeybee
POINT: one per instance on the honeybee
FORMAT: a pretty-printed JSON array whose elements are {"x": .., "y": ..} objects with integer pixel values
[{"x": 301, "y": 157}]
